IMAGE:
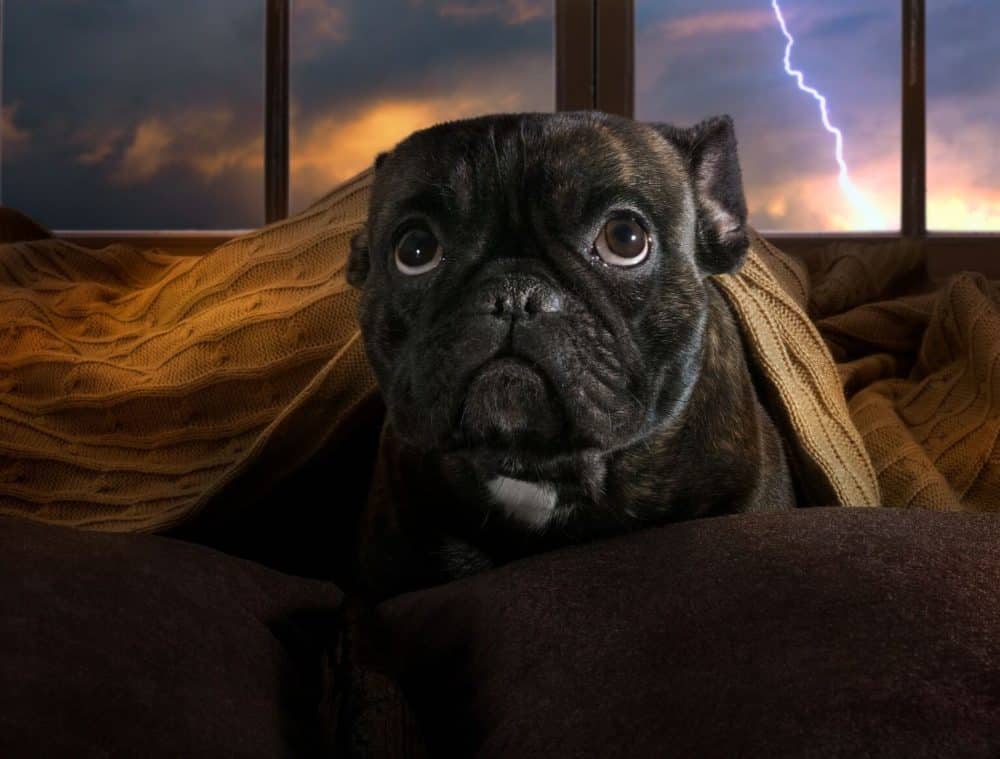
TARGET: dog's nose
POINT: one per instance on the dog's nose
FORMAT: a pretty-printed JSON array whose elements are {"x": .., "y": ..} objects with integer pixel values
[{"x": 518, "y": 297}]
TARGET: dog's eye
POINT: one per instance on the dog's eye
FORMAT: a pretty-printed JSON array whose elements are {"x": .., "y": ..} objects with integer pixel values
[
  {"x": 417, "y": 251},
  {"x": 622, "y": 242}
]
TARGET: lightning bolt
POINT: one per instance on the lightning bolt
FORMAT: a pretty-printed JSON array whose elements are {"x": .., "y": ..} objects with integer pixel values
[{"x": 869, "y": 213}]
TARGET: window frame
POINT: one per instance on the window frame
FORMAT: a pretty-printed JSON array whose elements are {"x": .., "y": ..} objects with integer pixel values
[{"x": 594, "y": 69}]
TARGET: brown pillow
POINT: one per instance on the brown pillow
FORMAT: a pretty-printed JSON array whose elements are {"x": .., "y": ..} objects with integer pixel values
[
  {"x": 129, "y": 645},
  {"x": 825, "y": 632}
]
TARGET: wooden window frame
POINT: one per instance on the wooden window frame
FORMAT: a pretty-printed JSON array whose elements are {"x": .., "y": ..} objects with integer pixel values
[
  {"x": 595, "y": 68},
  {"x": 278, "y": 41}
]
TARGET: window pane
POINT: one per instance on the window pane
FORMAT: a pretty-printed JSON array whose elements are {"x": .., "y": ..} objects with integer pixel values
[
  {"x": 963, "y": 115},
  {"x": 366, "y": 74},
  {"x": 134, "y": 114},
  {"x": 697, "y": 58}
]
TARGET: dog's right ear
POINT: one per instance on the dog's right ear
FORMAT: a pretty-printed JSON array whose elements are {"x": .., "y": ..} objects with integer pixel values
[
  {"x": 358, "y": 262},
  {"x": 709, "y": 148}
]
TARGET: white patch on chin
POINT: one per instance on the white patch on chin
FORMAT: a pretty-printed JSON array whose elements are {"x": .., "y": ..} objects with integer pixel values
[{"x": 530, "y": 502}]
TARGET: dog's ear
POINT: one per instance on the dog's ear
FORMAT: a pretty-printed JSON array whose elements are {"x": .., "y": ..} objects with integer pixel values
[
  {"x": 358, "y": 261},
  {"x": 710, "y": 151}
]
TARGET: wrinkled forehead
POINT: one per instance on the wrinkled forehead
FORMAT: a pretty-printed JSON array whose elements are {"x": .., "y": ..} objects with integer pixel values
[{"x": 572, "y": 163}]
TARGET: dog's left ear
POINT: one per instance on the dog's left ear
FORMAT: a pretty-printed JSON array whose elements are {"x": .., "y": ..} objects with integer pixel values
[
  {"x": 710, "y": 151},
  {"x": 358, "y": 261}
]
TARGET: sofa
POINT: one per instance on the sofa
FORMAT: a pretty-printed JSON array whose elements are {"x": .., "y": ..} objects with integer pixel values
[{"x": 823, "y": 633}]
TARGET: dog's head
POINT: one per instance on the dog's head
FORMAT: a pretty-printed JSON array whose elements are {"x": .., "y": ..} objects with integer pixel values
[{"x": 534, "y": 285}]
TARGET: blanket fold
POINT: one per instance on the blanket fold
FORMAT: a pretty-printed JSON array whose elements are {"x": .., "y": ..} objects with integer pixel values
[{"x": 138, "y": 389}]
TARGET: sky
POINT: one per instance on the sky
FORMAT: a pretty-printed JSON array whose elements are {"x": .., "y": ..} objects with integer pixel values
[
  {"x": 693, "y": 62},
  {"x": 141, "y": 114}
]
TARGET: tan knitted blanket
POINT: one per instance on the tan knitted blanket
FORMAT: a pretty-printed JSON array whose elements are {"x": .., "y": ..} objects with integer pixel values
[
  {"x": 920, "y": 365},
  {"x": 138, "y": 388}
]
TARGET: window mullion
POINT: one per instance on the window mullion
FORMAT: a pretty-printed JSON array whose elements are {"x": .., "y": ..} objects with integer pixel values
[
  {"x": 276, "y": 117},
  {"x": 615, "y": 57},
  {"x": 913, "y": 222},
  {"x": 575, "y": 55}
]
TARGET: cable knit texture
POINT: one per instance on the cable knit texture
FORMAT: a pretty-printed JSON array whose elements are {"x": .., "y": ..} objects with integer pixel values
[
  {"x": 920, "y": 363},
  {"x": 139, "y": 388}
]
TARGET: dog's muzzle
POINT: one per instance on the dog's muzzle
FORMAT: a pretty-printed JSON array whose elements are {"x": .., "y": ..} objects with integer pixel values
[{"x": 509, "y": 399}]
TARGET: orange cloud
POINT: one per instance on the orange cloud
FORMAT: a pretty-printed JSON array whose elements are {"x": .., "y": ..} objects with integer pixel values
[
  {"x": 962, "y": 162},
  {"x": 962, "y": 193},
  {"x": 210, "y": 147},
  {"x": 317, "y": 24},
  {"x": 816, "y": 203},
  {"x": 958, "y": 209},
  {"x": 146, "y": 154},
  {"x": 511, "y": 12},
  {"x": 200, "y": 140},
  {"x": 338, "y": 147},
  {"x": 717, "y": 22},
  {"x": 13, "y": 136},
  {"x": 955, "y": 202},
  {"x": 326, "y": 146},
  {"x": 331, "y": 146},
  {"x": 101, "y": 146}
]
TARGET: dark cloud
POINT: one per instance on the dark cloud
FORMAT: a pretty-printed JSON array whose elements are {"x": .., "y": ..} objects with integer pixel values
[
  {"x": 405, "y": 49},
  {"x": 123, "y": 99},
  {"x": 85, "y": 77},
  {"x": 80, "y": 197},
  {"x": 963, "y": 48}
]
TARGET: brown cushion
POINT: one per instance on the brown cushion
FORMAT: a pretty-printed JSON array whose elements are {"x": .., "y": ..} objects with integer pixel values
[
  {"x": 825, "y": 632},
  {"x": 141, "y": 646}
]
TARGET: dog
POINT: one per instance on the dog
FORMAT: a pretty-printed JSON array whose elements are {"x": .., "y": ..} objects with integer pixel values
[{"x": 556, "y": 361}]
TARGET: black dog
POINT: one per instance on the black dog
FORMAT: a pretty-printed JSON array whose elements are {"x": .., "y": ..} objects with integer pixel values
[{"x": 556, "y": 363}]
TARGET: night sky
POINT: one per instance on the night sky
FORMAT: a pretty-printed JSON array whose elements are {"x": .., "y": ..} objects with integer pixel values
[{"x": 145, "y": 114}]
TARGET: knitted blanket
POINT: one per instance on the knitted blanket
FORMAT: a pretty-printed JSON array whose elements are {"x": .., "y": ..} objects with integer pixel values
[
  {"x": 138, "y": 389},
  {"x": 920, "y": 365}
]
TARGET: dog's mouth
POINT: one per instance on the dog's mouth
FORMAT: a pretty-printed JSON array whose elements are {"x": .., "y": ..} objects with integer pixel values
[
  {"x": 509, "y": 402},
  {"x": 532, "y": 464},
  {"x": 512, "y": 422},
  {"x": 508, "y": 363}
]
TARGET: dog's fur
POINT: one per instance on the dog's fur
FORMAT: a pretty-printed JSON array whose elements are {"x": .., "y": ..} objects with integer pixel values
[{"x": 536, "y": 395}]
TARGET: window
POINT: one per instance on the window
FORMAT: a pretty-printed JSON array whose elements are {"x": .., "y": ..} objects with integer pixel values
[
  {"x": 963, "y": 114},
  {"x": 128, "y": 114}
]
